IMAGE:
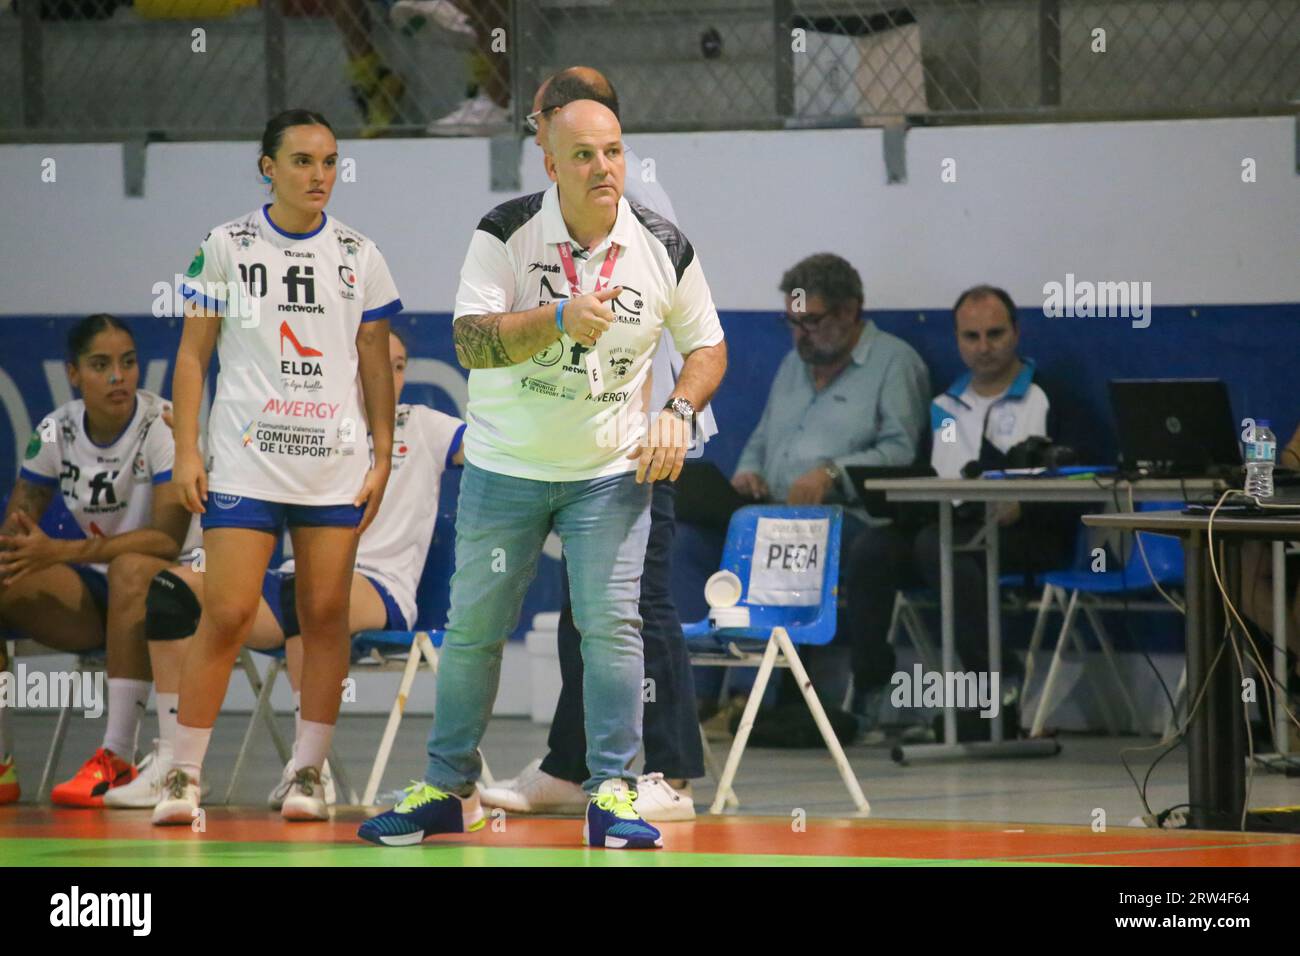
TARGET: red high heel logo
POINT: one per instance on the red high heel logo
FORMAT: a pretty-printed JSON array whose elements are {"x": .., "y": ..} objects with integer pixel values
[{"x": 302, "y": 350}]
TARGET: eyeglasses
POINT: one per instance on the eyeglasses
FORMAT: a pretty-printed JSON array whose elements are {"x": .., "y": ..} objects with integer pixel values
[
  {"x": 531, "y": 119},
  {"x": 807, "y": 322}
]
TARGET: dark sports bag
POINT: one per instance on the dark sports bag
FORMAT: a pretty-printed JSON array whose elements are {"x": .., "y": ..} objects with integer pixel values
[{"x": 791, "y": 726}]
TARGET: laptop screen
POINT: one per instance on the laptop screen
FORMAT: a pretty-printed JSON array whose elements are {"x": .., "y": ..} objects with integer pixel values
[{"x": 1175, "y": 426}]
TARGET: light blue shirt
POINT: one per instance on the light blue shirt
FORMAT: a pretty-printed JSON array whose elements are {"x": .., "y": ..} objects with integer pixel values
[{"x": 871, "y": 414}]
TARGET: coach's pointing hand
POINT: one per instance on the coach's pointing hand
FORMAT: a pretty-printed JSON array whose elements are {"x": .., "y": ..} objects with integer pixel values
[{"x": 587, "y": 317}]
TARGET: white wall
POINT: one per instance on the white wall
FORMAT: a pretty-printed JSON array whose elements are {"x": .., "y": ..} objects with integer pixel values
[{"x": 1162, "y": 202}]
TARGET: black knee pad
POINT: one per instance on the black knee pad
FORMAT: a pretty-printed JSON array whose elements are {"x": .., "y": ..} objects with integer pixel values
[
  {"x": 171, "y": 609},
  {"x": 289, "y": 606}
]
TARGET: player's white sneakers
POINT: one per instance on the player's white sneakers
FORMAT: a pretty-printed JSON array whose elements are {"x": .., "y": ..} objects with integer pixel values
[
  {"x": 535, "y": 791},
  {"x": 305, "y": 799},
  {"x": 450, "y": 22},
  {"x": 144, "y": 792},
  {"x": 275, "y": 800},
  {"x": 658, "y": 802},
  {"x": 529, "y": 769},
  {"x": 146, "y": 789},
  {"x": 179, "y": 802},
  {"x": 474, "y": 117}
]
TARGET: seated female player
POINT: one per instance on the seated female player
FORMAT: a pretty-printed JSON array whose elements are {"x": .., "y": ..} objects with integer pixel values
[{"x": 108, "y": 455}]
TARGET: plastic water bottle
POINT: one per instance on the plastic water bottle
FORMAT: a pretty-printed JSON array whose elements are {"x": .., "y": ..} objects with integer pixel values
[{"x": 1261, "y": 455}]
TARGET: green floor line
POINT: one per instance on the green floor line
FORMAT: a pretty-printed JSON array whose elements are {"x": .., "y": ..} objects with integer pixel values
[{"x": 73, "y": 852}]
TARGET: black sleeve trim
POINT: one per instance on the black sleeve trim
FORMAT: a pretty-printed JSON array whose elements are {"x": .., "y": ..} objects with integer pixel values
[
  {"x": 680, "y": 251},
  {"x": 506, "y": 219}
]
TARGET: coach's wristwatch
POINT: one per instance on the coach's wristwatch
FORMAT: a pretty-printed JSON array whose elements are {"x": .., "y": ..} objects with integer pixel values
[
  {"x": 833, "y": 472},
  {"x": 682, "y": 408}
]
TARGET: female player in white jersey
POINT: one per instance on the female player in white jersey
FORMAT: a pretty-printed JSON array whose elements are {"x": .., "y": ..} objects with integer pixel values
[
  {"x": 108, "y": 455},
  {"x": 390, "y": 559},
  {"x": 297, "y": 305}
]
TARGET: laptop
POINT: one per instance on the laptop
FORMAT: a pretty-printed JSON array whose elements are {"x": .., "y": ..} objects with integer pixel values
[
  {"x": 877, "y": 504},
  {"x": 1175, "y": 427},
  {"x": 705, "y": 497}
]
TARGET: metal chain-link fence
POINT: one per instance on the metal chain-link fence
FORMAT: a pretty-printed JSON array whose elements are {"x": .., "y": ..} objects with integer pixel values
[{"x": 108, "y": 69}]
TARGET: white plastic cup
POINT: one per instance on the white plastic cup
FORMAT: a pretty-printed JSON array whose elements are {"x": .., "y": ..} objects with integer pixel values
[
  {"x": 723, "y": 590},
  {"x": 721, "y": 617}
]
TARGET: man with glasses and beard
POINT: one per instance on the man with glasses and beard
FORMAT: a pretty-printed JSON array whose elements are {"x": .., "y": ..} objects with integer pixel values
[{"x": 847, "y": 394}]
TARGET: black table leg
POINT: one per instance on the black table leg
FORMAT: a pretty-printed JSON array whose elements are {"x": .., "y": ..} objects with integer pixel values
[
  {"x": 1228, "y": 730},
  {"x": 1215, "y": 755}
]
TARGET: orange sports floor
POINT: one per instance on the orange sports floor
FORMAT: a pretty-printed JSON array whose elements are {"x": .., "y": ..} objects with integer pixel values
[{"x": 36, "y": 836}]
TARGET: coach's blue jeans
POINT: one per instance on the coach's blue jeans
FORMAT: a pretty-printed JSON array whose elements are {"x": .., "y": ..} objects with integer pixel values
[
  {"x": 501, "y": 523},
  {"x": 671, "y": 723}
]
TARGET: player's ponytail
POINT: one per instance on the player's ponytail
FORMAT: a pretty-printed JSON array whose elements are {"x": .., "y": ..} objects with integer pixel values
[
  {"x": 83, "y": 333},
  {"x": 273, "y": 135}
]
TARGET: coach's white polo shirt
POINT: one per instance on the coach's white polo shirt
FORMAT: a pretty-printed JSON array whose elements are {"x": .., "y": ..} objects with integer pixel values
[{"x": 538, "y": 419}]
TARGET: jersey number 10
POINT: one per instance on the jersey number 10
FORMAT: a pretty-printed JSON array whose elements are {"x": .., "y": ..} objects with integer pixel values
[{"x": 254, "y": 278}]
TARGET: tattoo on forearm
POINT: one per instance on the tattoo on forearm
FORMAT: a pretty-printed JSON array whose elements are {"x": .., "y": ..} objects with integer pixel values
[{"x": 478, "y": 342}]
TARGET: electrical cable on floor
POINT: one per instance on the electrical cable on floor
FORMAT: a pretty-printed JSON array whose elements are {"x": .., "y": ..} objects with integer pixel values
[
  {"x": 1179, "y": 736},
  {"x": 1229, "y": 638}
]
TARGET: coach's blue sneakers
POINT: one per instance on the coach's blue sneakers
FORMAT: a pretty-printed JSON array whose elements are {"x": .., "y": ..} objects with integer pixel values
[
  {"x": 612, "y": 820},
  {"x": 424, "y": 811}
]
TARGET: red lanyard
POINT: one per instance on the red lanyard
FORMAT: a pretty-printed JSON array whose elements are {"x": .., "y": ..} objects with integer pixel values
[{"x": 570, "y": 273}]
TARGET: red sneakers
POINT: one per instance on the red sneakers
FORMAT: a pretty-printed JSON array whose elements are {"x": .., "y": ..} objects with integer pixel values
[
  {"x": 96, "y": 777},
  {"x": 9, "y": 791}
]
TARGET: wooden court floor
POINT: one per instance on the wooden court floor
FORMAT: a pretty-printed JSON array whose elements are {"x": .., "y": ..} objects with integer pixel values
[{"x": 42, "y": 836}]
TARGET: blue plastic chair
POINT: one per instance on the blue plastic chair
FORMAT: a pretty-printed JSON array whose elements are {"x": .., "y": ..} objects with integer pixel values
[
  {"x": 806, "y": 624},
  {"x": 773, "y": 633},
  {"x": 908, "y": 602},
  {"x": 1094, "y": 591},
  {"x": 389, "y": 643}
]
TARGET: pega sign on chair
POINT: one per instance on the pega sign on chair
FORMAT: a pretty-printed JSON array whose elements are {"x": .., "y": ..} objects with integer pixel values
[{"x": 789, "y": 561}]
